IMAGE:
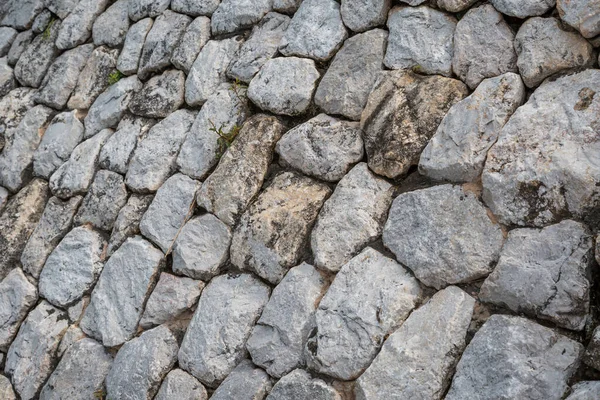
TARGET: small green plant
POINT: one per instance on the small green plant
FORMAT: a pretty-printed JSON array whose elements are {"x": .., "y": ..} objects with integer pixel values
[
  {"x": 114, "y": 77},
  {"x": 225, "y": 137},
  {"x": 417, "y": 69},
  {"x": 239, "y": 89},
  {"x": 48, "y": 31}
]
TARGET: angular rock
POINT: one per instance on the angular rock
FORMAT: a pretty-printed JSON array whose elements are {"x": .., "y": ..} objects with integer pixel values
[
  {"x": 196, "y": 35},
  {"x": 7, "y": 77},
  {"x": 139, "y": 9},
  {"x": 7, "y": 36},
  {"x": 19, "y": 45},
  {"x": 284, "y": 85},
  {"x": 592, "y": 352},
  {"x": 299, "y": 385},
  {"x": 6, "y": 389},
  {"x": 215, "y": 340},
  {"x": 523, "y": 8},
  {"x": 347, "y": 83},
  {"x": 128, "y": 221},
  {"x": 456, "y": 241},
  {"x": 21, "y": 14},
  {"x": 112, "y": 25},
  {"x": 80, "y": 373},
  {"x": 316, "y": 31},
  {"x": 141, "y": 364},
  {"x": 17, "y": 296},
  {"x": 62, "y": 8},
  {"x": 132, "y": 47},
  {"x": 118, "y": 299},
  {"x": 32, "y": 355},
  {"x": 270, "y": 236},
  {"x": 42, "y": 21},
  {"x": 458, "y": 150},
  {"x": 101, "y": 205},
  {"x": 76, "y": 28},
  {"x": 286, "y": 6},
  {"x": 201, "y": 248},
  {"x": 583, "y": 15},
  {"x": 154, "y": 158},
  {"x": 13, "y": 108},
  {"x": 172, "y": 296},
  {"x": 235, "y": 15},
  {"x": 245, "y": 382},
  {"x": 588, "y": 390},
  {"x": 71, "y": 336},
  {"x": 195, "y": 7},
  {"x": 455, "y": 6},
  {"x": 160, "y": 96},
  {"x": 227, "y": 195},
  {"x": 402, "y": 113},
  {"x": 179, "y": 384},
  {"x": 483, "y": 46},
  {"x": 363, "y": 15},
  {"x": 512, "y": 357}
]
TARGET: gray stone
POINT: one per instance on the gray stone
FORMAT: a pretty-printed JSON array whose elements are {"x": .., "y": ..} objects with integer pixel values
[
  {"x": 101, "y": 205},
  {"x": 180, "y": 385},
  {"x": 37, "y": 58},
  {"x": 195, "y": 7},
  {"x": 13, "y": 108},
  {"x": 316, "y": 31},
  {"x": 443, "y": 234},
  {"x": 32, "y": 355},
  {"x": 227, "y": 195},
  {"x": 284, "y": 85},
  {"x": 53, "y": 225},
  {"x": 19, "y": 45},
  {"x": 75, "y": 176},
  {"x": 76, "y": 28},
  {"x": 270, "y": 236},
  {"x": 458, "y": 150},
  {"x": 160, "y": 96},
  {"x": 299, "y": 385},
  {"x": 193, "y": 40},
  {"x": 483, "y": 46},
  {"x": 72, "y": 335},
  {"x": 7, "y": 36},
  {"x": 80, "y": 373},
  {"x": 21, "y": 14},
  {"x": 523, "y": 8},
  {"x": 172, "y": 296},
  {"x": 7, "y": 77},
  {"x": 592, "y": 352},
  {"x": 544, "y": 166},
  {"x": 17, "y": 296},
  {"x": 6, "y": 389},
  {"x": 583, "y": 15},
  {"x": 62, "y": 8},
  {"x": 347, "y": 83},
  {"x": 128, "y": 221},
  {"x": 544, "y": 49},
  {"x": 171, "y": 208},
  {"x": 402, "y": 113},
  {"x": 588, "y": 390},
  {"x": 369, "y": 298},
  {"x": 278, "y": 339},
  {"x": 141, "y": 364},
  {"x": 545, "y": 273},
  {"x": 245, "y": 382},
  {"x": 286, "y": 6},
  {"x": 132, "y": 47},
  {"x": 63, "y": 134},
  {"x": 139, "y": 9},
  {"x": 42, "y": 21},
  {"x": 455, "y": 6},
  {"x": 209, "y": 69},
  {"x": 3, "y": 197},
  {"x": 94, "y": 78},
  {"x": 112, "y": 25},
  {"x": 235, "y": 15},
  {"x": 201, "y": 248},
  {"x": 351, "y": 218},
  {"x": 511, "y": 357},
  {"x": 76, "y": 310},
  {"x": 260, "y": 47},
  {"x": 124, "y": 286},
  {"x": 161, "y": 41},
  {"x": 154, "y": 159},
  {"x": 363, "y": 15}
]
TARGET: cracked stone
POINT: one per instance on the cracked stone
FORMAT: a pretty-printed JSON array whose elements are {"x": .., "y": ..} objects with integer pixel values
[
  {"x": 111, "y": 27},
  {"x": 101, "y": 205},
  {"x": 196, "y": 35},
  {"x": 127, "y": 223},
  {"x": 160, "y": 96},
  {"x": 94, "y": 78},
  {"x": 76, "y": 28},
  {"x": 62, "y": 8},
  {"x": 132, "y": 47},
  {"x": 17, "y": 297},
  {"x": 7, "y": 37}
]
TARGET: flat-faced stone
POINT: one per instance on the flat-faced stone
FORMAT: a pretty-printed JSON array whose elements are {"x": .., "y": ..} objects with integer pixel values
[
  {"x": 286, "y": 6},
  {"x": 19, "y": 45},
  {"x": 62, "y": 8},
  {"x": 235, "y": 15},
  {"x": 132, "y": 47},
  {"x": 193, "y": 40},
  {"x": 76, "y": 28},
  {"x": 583, "y": 15},
  {"x": 586, "y": 390},
  {"x": 160, "y": 96},
  {"x": 363, "y": 15},
  {"x": 112, "y": 25},
  {"x": 17, "y": 296},
  {"x": 591, "y": 356},
  {"x": 245, "y": 382},
  {"x": 103, "y": 201},
  {"x": 6, "y": 389},
  {"x": 455, "y": 6},
  {"x": 7, "y": 36},
  {"x": 7, "y": 77},
  {"x": 299, "y": 385},
  {"x": 178, "y": 384},
  {"x": 127, "y": 223},
  {"x": 21, "y": 14},
  {"x": 523, "y": 8},
  {"x": 195, "y": 7},
  {"x": 3, "y": 197},
  {"x": 139, "y": 9}
]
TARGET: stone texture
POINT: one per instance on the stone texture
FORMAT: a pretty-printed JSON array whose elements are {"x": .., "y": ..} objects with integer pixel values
[
  {"x": 202, "y": 247},
  {"x": 21, "y": 14},
  {"x": 13, "y": 108},
  {"x": 269, "y": 238},
  {"x": 62, "y": 8},
  {"x": 117, "y": 301},
  {"x": 592, "y": 352},
  {"x": 139, "y": 9},
  {"x": 582, "y": 15},
  {"x": 72, "y": 335},
  {"x": 587, "y": 390},
  {"x": 112, "y": 25},
  {"x": 7, "y": 36},
  {"x": 235, "y": 15},
  {"x": 6, "y": 389},
  {"x": 3, "y": 197},
  {"x": 227, "y": 195},
  {"x": 76, "y": 28},
  {"x": 94, "y": 78},
  {"x": 299, "y": 385},
  {"x": 455, "y": 6},
  {"x": 101, "y": 205},
  {"x": 127, "y": 223},
  {"x": 245, "y": 382},
  {"x": 523, "y": 8},
  {"x": 512, "y": 357},
  {"x": 17, "y": 297},
  {"x": 193, "y": 40},
  {"x": 42, "y": 21},
  {"x": 19, "y": 45},
  {"x": 215, "y": 340},
  {"x": 363, "y": 15},
  {"x": 286, "y": 6},
  {"x": 160, "y": 96},
  {"x": 458, "y": 150},
  {"x": 7, "y": 77},
  {"x": 180, "y": 385},
  {"x": 132, "y": 47},
  {"x": 195, "y": 7},
  {"x": 402, "y": 113}
]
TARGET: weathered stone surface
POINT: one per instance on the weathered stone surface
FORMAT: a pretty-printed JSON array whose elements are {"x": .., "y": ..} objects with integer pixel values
[
  {"x": 103, "y": 201},
  {"x": 53, "y": 225},
  {"x": 458, "y": 150},
  {"x": 178, "y": 384},
  {"x": 117, "y": 301},
  {"x": 13, "y": 108},
  {"x": 155, "y": 157},
  {"x": 347, "y": 83},
  {"x": 454, "y": 6},
  {"x": 76, "y": 28},
  {"x": 18, "y": 220},
  {"x": 193, "y": 40},
  {"x": 132, "y": 47},
  {"x": 235, "y": 15},
  {"x": 260, "y": 47},
  {"x": 128, "y": 221},
  {"x": 286, "y": 6},
  {"x": 316, "y": 31},
  {"x": 195, "y": 7},
  {"x": 139, "y": 9},
  {"x": 42, "y": 21},
  {"x": 171, "y": 208},
  {"x": 3, "y": 197},
  {"x": 215, "y": 340},
  {"x": 582, "y": 15},
  {"x": 455, "y": 241},
  {"x": 592, "y": 352},
  {"x": 544, "y": 49},
  {"x": 245, "y": 382},
  {"x": 94, "y": 78},
  {"x": 227, "y": 195},
  {"x": 402, "y": 113},
  {"x": 544, "y": 165},
  {"x": 201, "y": 248},
  {"x": 80, "y": 373},
  {"x": 587, "y": 390},
  {"x": 268, "y": 239},
  {"x": 17, "y": 296},
  {"x": 523, "y": 8},
  {"x": 19, "y": 45},
  {"x": 7, "y": 36},
  {"x": 299, "y": 385},
  {"x": 209, "y": 69},
  {"x": 161, "y": 41},
  {"x": 362, "y": 15},
  {"x": 141, "y": 364},
  {"x": 72, "y": 335},
  {"x": 172, "y": 296},
  {"x": 32, "y": 355},
  {"x": 111, "y": 27},
  {"x": 21, "y": 14},
  {"x": 7, "y": 77},
  {"x": 545, "y": 273},
  {"x": 483, "y": 46},
  {"x": 417, "y": 360},
  {"x": 75, "y": 176},
  {"x": 62, "y": 8},
  {"x": 512, "y": 357},
  {"x": 160, "y": 96},
  {"x": 278, "y": 339},
  {"x": 284, "y": 85},
  {"x": 6, "y": 389}
]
